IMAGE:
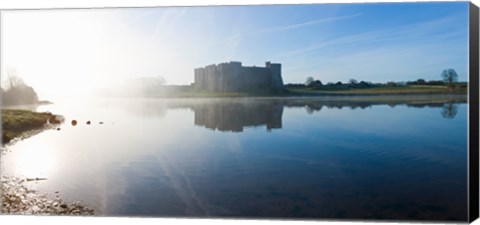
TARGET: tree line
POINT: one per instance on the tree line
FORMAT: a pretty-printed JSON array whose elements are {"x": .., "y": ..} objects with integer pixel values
[
  {"x": 449, "y": 79},
  {"x": 15, "y": 91}
]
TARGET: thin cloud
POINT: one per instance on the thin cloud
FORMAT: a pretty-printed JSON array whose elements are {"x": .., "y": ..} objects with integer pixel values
[
  {"x": 167, "y": 22},
  {"x": 414, "y": 51},
  {"x": 309, "y": 23},
  {"x": 390, "y": 34},
  {"x": 287, "y": 27}
]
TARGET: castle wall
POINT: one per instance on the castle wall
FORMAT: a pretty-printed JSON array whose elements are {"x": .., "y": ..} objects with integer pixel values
[
  {"x": 232, "y": 77},
  {"x": 276, "y": 71},
  {"x": 255, "y": 78}
]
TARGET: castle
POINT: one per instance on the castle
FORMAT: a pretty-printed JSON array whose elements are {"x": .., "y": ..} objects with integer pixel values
[{"x": 233, "y": 77}]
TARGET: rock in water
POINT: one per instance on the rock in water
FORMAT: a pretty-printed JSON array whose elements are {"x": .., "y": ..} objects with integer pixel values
[{"x": 74, "y": 122}]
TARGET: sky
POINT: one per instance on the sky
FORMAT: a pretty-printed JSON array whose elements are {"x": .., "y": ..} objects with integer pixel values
[{"x": 71, "y": 52}]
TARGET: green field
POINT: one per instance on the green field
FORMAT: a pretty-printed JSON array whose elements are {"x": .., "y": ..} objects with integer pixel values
[
  {"x": 343, "y": 90},
  {"x": 193, "y": 94}
]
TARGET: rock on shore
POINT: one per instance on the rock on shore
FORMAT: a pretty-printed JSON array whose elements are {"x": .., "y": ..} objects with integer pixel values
[{"x": 18, "y": 199}]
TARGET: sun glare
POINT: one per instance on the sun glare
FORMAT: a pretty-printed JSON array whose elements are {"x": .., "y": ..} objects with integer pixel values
[
  {"x": 54, "y": 51},
  {"x": 36, "y": 162}
]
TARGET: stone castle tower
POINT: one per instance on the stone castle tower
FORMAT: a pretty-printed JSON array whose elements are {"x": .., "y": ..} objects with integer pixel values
[{"x": 233, "y": 77}]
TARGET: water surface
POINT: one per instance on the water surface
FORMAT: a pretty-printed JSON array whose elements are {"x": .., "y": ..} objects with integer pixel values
[{"x": 356, "y": 158}]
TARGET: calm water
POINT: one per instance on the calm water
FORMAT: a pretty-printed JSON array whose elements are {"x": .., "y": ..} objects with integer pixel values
[{"x": 302, "y": 158}]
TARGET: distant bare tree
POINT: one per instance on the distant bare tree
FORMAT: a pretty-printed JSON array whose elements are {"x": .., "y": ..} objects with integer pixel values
[
  {"x": 13, "y": 80},
  {"x": 16, "y": 91},
  {"x": 450, "y": 76}
]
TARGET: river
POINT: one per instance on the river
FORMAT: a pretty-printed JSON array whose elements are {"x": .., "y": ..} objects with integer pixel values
[{"x": 311, "y": 158}]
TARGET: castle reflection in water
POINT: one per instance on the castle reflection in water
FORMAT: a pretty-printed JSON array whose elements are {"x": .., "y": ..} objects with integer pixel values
[{"x": 237, "y": 114}]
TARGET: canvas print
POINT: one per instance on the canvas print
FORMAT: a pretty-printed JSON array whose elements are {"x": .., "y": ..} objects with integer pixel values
[{"x": 318, "y": 111}]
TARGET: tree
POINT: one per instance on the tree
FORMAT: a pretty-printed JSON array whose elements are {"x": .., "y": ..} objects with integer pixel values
[
  {"x": 364, "y": 84},
  {"x": 391, "y": 84},
  {"x": 161, "y": 80},
  {"x": 353, "y": 81},
  {"x": 309, "y": 81},
  {"x": 436, "y": 82},
  {"x": 13, "y": 80},
  {"x": 421, "y": 81},
  {"x": 450, "y": 76},
  {"x": 317, "y": 83},
  {"x": 17, "y": 92}
]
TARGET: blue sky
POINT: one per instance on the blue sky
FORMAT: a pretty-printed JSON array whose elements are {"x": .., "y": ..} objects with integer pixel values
[
  {"x": 376, "y": 42},
  {"x": 331, "y": 42}
]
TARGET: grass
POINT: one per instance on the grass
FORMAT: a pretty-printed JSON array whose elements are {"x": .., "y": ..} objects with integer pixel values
[
  {"x": 324, "y": 91},
  {"x": 17, "y": 122},
  {"x": 206, "y": 94},
  {"x": 402, "y": 90},
  {"x": 192, "y": 94}
]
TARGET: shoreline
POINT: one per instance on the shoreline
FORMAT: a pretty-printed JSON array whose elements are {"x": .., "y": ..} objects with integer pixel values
[
  {"x": 305, "y": 92},
  {"x": 377, "y": 97},
  {"x": 17, "y": 198},
  {"x": 20, "y": 124}
]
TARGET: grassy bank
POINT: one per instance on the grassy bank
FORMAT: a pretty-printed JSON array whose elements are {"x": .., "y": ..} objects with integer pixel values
[
  {"x": 400, "y": 90},
  {"x": 342, "y": 90},
  {"x": 194, "y": 94},
  {"x": 16, "y": 123}
]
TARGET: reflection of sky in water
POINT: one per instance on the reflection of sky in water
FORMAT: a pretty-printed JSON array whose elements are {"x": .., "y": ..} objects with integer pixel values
[{"x": 168, "y": 158}]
